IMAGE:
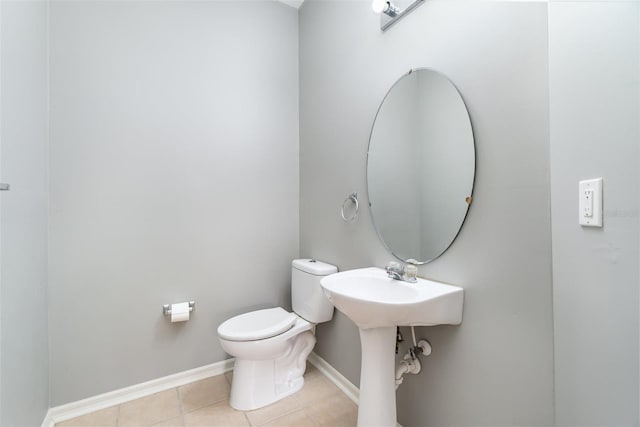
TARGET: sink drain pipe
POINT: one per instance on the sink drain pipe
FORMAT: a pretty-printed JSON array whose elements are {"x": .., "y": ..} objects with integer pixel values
[{"x": 410, "y": 364}]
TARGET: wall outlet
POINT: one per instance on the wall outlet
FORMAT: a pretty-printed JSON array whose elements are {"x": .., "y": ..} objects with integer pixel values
[{"x": 590, "y": 202}]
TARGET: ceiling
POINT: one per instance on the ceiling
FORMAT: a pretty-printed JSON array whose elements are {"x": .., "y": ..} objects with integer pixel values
[{"x": 292, "y": 3}]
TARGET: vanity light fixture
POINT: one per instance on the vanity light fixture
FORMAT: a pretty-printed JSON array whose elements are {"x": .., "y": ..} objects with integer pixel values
[
  {"x": 390, "y": 13},
  {"x": 386, "y": 7}
]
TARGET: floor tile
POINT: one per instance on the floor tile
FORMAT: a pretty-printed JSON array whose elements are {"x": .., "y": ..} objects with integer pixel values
[
  {"x": 273, "y": 411},
  {"x": 312, "y": 372},
  {"x": 203, "y": 393},
  {"x": 334, "y": 411},
  {"x": 218, "y": 415},
  {"x": 150, "y": 409},
  {"x": 316, "y": 388},
  {"x": 173, "y": 422},
  {"x": 205, "y": 404},
  {"x": 294, "y": 419},
  {"x": 103, "y": 418}
]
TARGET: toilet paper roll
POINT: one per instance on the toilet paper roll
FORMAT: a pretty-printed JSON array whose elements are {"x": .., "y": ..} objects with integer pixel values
[{"x": 180, "y": 312}]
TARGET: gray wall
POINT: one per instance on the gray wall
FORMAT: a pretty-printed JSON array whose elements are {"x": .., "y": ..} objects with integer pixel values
[
  {"x": 594, "y": 94},
  {"x": 24, "y": 374},
  {"x": 496, "y": 369},
  {"x": 174, "y": 176}
]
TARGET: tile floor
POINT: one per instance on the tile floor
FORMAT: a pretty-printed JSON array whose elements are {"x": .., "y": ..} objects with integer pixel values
[{"x": 205, "y": 403}]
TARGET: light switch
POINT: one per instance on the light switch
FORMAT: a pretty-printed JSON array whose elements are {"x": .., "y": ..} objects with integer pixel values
[{"x": 590, "y": 202}]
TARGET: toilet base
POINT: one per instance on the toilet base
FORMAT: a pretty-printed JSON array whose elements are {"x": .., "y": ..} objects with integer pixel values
[{"x": 258, "y": 383}]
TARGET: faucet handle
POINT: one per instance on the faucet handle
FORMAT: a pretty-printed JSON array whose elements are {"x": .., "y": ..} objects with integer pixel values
[
  {"x": 399, "y": 271},
  {"x": 394, "y": 266},
  {"x": 410, "y": 273}
]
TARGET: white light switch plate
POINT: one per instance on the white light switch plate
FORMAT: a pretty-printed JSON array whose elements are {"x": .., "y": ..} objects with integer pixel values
[{"x": 590, "y": 202}]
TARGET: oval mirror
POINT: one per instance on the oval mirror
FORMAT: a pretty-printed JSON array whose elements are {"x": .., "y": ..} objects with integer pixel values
[{"x": 420, "y": 166}]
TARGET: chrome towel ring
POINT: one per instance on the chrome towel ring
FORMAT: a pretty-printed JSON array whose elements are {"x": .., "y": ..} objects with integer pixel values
[{"x": 353, "y": 198}]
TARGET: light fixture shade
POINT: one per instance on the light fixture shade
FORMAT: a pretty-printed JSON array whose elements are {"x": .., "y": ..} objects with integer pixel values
[
  {"x": 379, "y": 6},
  {"x": 390, "y": 13}
]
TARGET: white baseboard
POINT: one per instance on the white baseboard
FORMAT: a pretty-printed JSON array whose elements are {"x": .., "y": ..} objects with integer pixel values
[
  {"x": 48, "y": 421},
  {"x": 116, "y": 397},
  {"x": 335, "y": 377},
  {"x": 86, "y": 406}
]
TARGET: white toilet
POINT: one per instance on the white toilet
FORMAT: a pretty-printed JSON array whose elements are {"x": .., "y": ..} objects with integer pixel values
[{"x": 271, "y": 346}]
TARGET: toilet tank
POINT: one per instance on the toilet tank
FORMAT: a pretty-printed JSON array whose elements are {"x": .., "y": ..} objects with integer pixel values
[{"x": 307, "y": 297}]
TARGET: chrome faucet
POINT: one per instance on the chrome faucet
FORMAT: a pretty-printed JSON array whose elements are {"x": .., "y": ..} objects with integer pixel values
[
  {"x": 395, "y": 270},
  {"x": 400, "y": 271}
]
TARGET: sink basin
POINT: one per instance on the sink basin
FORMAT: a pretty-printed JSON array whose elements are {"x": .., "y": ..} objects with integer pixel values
[
  {"x": 377, "y": 304},
  {"x": 373, "y": 300}
]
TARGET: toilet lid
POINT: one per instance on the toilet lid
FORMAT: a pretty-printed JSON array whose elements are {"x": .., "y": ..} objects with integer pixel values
[{"x": 257, "y": 325}]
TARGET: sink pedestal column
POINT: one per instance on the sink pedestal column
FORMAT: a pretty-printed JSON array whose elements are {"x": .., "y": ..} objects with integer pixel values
[{"x": 377, "y": 406}]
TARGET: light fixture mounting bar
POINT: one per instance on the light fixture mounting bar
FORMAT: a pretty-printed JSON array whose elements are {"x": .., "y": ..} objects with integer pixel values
[{"x": 387, "y": 21}]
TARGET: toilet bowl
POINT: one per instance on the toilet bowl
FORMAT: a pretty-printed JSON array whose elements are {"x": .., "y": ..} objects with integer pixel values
[{"x": 271, "y": 346}]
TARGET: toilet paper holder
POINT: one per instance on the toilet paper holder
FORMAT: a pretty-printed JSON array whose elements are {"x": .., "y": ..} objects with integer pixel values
[{"x": 166, "y": 309}]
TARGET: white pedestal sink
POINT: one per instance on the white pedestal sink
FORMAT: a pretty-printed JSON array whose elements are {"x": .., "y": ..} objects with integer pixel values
[{"x": 377, "y": 304}]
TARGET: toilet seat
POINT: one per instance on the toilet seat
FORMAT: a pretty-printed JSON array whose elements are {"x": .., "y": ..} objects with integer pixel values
[{"x": 257, "y": 325}]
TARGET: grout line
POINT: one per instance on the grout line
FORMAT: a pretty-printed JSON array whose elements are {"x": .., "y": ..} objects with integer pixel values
[
  {"x": 118, "y": 415},
  {"x": 310, "y": 418},
  {"x": 247, "y": 419},
  {"x": 180, "y": 401}
]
